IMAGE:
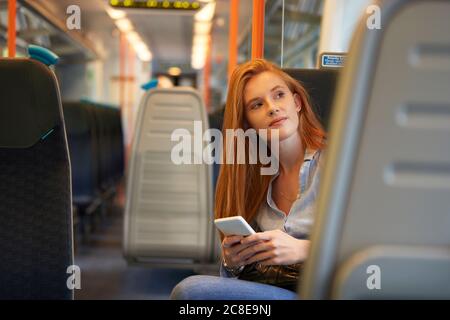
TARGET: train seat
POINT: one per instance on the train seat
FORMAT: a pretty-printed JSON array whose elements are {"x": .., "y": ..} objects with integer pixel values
[
  {"x": 82, "y": 147},
  {"x": 168, "y": 215},
  {"x": 111, "y": 145},
  {"x": 118, "y": 144},
  {"x": 105, "y": 148},
  {"x": 35, "y": 184},
  {"x": 382, "y": 224},
  {"x": 321, "y": 86}
]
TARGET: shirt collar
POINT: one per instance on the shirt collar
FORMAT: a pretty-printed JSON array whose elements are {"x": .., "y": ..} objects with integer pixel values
[{"x": 309, "y": 154}]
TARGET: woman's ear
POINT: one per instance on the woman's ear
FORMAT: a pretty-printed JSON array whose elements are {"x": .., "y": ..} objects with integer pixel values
[{"x": 298, "y": 102}]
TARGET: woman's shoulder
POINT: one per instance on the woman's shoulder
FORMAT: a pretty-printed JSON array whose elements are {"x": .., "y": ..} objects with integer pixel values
[{"x": 317, "y": 162}]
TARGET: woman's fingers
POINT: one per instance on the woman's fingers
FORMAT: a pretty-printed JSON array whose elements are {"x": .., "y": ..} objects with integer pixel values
[
  {"x": 233, "y": 258},
  {"x": 270, "y": 247},
  {"x": 260, "y": 236},
  {"x": 230, "y": 241},
  {"x": 254, "y": 248},
  {"x": 231, "y": 248},
  {"x": 261, "y": 257},
  {"x": 237, "y": 249}
]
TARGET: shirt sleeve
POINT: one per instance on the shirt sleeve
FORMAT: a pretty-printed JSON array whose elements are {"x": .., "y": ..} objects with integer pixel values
[{"x": 224, "y": 273}]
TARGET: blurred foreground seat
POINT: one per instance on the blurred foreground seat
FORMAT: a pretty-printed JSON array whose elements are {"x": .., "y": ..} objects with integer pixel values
[{"x": 383, "y": 220}]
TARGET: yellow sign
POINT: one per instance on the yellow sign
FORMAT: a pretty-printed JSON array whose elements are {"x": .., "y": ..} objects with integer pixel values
[{"x": 154, "y": 4}]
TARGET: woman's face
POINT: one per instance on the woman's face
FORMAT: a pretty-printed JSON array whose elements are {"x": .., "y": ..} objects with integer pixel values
[{"x": 269, "y": 104}]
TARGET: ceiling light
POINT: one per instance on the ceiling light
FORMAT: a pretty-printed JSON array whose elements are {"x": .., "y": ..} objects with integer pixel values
[
  {"x": 140, "y": 46},
  {"x": 124, "y": 25},
  {"x": 200, "y": 40},
  {"x": 115, "y": 14},
  {"x": 202, "y": 27},
  {"x": 197, "y": 63},
  {"x": 145, "y": 55},
  {"x": 133, "y": 37},
  {"x": 174, "y": 71},
  {"x": 207, "y": 13}
]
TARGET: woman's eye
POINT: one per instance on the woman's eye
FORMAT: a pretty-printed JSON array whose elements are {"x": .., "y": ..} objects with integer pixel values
[
  {"x": 280, "y": 94},
  {"x": 256, "y": 105}
]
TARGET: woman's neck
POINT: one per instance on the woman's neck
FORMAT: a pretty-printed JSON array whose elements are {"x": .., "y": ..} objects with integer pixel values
[{"x": 291, "y": 154}]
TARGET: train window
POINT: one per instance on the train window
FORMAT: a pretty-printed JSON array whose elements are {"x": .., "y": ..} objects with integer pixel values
[{"x": 292, "y": 30}]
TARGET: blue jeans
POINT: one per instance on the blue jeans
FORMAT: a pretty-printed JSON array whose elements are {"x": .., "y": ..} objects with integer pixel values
[{"x": 220, "y": 288}]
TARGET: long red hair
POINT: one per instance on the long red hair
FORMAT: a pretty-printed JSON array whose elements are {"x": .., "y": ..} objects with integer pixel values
[{"x": 241, "y": 189}]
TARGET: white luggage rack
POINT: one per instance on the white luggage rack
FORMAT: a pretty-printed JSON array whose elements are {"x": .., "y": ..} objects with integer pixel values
[{"x": 169, "y": 209}]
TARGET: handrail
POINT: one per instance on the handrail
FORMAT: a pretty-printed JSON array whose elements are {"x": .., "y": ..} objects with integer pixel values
[
  {"x": 12, "y": 9},
  {"x": 232, "y": 41},
  {"x": 258, "y": 29}
]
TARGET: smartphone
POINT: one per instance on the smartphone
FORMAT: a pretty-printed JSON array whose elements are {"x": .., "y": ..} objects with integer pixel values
[{"x": 234, "y": 226}]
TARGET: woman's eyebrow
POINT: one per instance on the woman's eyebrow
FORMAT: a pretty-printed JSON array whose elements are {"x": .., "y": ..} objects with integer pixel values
[{"x": 277, "y": 87}]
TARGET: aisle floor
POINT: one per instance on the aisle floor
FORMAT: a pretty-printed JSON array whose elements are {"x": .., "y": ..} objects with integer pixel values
[{"x": 105, "y": 274}]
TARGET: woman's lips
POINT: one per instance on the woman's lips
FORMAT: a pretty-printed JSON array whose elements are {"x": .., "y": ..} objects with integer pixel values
[{"x": 277, "y": 122}]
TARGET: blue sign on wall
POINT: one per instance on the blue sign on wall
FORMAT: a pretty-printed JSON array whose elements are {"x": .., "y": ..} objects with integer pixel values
[{"x": 332, "y": 61}]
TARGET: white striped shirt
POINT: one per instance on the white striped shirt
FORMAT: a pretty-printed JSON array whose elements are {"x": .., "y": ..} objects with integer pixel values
[{"x": 299, "y": 221}]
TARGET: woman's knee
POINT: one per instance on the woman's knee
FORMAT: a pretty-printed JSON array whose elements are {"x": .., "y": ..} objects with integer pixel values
[{"x": 193, "y": 288}]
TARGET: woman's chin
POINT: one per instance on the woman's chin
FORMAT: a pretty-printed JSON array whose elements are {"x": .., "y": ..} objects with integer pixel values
[{"x": 280, "y": 132}]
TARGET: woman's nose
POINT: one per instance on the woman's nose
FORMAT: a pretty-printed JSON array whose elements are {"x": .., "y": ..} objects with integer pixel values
[{"x": 273, "y": 109}]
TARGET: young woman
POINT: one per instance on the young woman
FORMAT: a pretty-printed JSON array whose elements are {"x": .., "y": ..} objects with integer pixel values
[{"x": 265, "y": 265}]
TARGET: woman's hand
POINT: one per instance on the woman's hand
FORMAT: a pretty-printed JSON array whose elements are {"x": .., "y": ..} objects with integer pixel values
[
  {"x": 273, "y": 248},
  {"x": 232, "y": 248}
]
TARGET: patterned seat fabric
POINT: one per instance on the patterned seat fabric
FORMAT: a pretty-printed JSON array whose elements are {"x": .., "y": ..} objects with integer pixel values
[{"x": 35, "y": 193}]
